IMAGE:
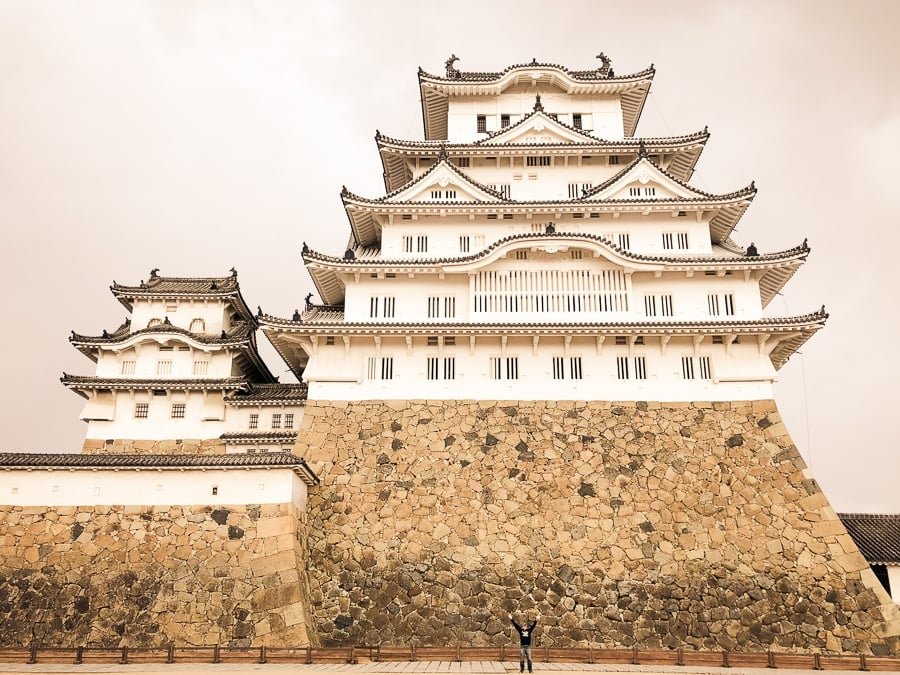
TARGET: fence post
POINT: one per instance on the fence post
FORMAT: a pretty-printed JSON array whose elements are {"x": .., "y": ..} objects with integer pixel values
[
  {"x": 634, "y": 656},
  {"x": 502, "y": 653},
  {"x": 863, "y": 665},
  {"x": 124, "y": 658},
  {"x": 308, "y": 654},
  {"x": 262, "y": 654},
  {"x": 771, "y": 660},
  {"x": 591, "y": 653},
  {"x": 680, "y": 660},
  {"x": 32, "y": 653},
  {"x": 817, "y": 662},
  {"x": 351, "y": 657},
  {"x": 216, "y": 656},
  {"x": 412, "y": 653},
  {"x": 170, "y": 655},
  {"x": 79, "y": 655},
  {"x": 725, "y": 663},
  {"x": 458, "y": 657}
]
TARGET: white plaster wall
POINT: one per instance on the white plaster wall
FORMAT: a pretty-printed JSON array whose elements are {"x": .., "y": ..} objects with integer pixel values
[
  {"x": 128, "y": 487},
  {"x": 605, "y": 111},
  {"x": 645, "y": 231},
  {"x": 238, "y": 417},
  {"x": 159, "y": 425},
  {"x": 689, "y": 294},
  {"x": 740, "y": 373},
  {"x": 181, "y": 313},
  {"x": 148, "y": 353},
  {"x": 894, "y": 579}
]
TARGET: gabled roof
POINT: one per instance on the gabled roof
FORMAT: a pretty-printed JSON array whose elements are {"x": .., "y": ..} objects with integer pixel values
[
  {"x": 876, "y": 534},
  {"x": 185, "y": 288},
  {"x": 275, "y": 394},
  {"x": 85, "y": 383},
  {"x": 776, "y": 268},
  {"x": 539, "y": 121},
  {"x": 644, "y": 171},
  {"x": 436, "y": 90},
  {"x": 442, "y": 173},
  {"x": 685, "y": 151},
  {"x": 292, "y": 337},
  {"x": 10, "y": 461}
]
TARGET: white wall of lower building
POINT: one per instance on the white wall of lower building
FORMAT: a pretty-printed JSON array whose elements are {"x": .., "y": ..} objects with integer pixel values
[
  {"x": 894, "y": 579},
  {"x": 181, "y": 313},
  {"x": 204, "y": 416},
  {"x": 128, "y": 487},
  {"x": 740, "y": 373},
  {"x": 165, "y": 357}
]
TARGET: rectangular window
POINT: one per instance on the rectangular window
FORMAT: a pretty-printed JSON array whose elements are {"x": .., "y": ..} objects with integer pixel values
[
  {"x": 622, "y": 369},
  {"x": 613, "y": 159},
  {"x": 178, "y": 411},
  {"x": 577, "y": 190},
  {"x": 504, "y": 121},
  {"x": 128, "y": 367},
  {"x": 720, "y": 304},
  {"x": 624, "y": 241},
  {"x": 675, "y": 240},
  {"x": 542, "y": 160},
  {"x": 449, "y": 307},
  {"x": 640, "y": 367},
  {"x": 559, "y": 370},
  {"x": 383, "y": 306},
  {"x": 254, "y": 421},
  {"x": 666, "y": 306},
  {"x": 504, "y": 367},
  {"x": 441, "y": 368},
  {"x": 521, "y": 255},
  {"x": 575, "y": 371},
  {"x": 289, "y": 420},
  {"x": 201, "y": 367},
  {"x": 502, "y": 188},
  {"x": 380, "y": 368},
  {"x": 463, "y": 162},
  {"x": 441, "y": 307},
  {"x": 443, "y": 194},
  {"x": 407, "y": 244},
  {"x": 163, "y": 367},
  {"x": 658, "y": 305},
  {"x": 576, "y": 255},
  {"x": 634, "y": 192},
  {"x": 421, "y": 244},
  {"x": 576, "y": 120},
  {"x": 465, "y": 244},
  {"x": 682, "y": 241},
  {"x": 649, "y": 191},
  {"x": 649, "y": 305},
  {"x": 141, "y": 411},
  {"x": 687, "y": 367},
  {"x": 276, "y": 420},
  {"x": 481, "y": 124},
  {"x": 705, "y": 370}
]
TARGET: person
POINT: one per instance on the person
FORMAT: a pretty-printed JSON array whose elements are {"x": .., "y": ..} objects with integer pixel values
[{"x": 525, "y": 642}]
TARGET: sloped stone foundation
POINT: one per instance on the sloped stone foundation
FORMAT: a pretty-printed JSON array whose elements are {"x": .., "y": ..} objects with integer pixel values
[
  {"x": 625, "y": 524},
  {"x": 150, "y": 576}
]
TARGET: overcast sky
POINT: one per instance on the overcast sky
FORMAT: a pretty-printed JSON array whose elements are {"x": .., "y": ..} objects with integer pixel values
[{"x": 193, "y": 136}]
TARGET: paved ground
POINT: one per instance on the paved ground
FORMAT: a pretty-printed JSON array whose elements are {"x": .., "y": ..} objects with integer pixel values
[{"x": 475, "y": 667}]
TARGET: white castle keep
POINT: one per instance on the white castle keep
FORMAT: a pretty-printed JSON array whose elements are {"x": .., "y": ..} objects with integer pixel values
[{"x": 531, "y": 247}]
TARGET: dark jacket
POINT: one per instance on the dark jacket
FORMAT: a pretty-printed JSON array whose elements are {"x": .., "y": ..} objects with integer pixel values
[{"x": 525, "y": 633}]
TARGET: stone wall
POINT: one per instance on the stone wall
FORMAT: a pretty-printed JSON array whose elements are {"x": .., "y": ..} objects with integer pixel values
[
  {"x": 148, "y": 576},
  {"x": 130, "y": 446},
  {"x": 655, "y": 525}
]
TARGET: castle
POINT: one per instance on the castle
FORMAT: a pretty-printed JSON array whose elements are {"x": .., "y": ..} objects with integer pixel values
[{"x": 539, "y": 377}]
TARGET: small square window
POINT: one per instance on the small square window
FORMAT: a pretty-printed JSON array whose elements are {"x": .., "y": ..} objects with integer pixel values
[
  {"x": 276, "y": 421},
  {"x": 141, "y": 411},
  {"x": 178, "y": 410},
  {"x": 289, "y": 420},
  {"x": 215, "y": 490},
  {"x": 254, "y": 420}
]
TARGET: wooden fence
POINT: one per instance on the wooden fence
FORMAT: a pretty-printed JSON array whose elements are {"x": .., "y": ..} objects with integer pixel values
[{"x": 374, "y": 654}]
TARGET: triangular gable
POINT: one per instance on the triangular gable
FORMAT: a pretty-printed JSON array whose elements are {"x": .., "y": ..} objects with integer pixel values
[
  {"x": 538, "y": 127},
  {"x": 443, "y": 183},
  {"x": 645, "y": 181}
]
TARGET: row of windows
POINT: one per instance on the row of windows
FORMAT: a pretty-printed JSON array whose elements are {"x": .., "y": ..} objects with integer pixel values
[
  {"x": 481, "y": 126},
  {"x": 563, "y": 368},
  {"x": 511, "y": 298},
  {"x": 671, "y": 241},
  {"x": 275, "y": 421},
  {"x": 142, "y": 411},
  {"x": 164, "y": 367}
]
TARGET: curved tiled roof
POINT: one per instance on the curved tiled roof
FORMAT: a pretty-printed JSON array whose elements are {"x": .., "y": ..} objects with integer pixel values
[
  {"x": 310, "y": 255},
  {"x": 184, "y": 287},
  {"x": 17, "y": 460},
  {"x": 581, "y": 75},
  {"x": 258, "y": 394},
  {"x": 525, "y": 118},
  {"x": 240, "y": 332},
  {"x": 633, "y": 142},
  {"x": 89, "y": 382},
  {"x": 876, "y": 534}
]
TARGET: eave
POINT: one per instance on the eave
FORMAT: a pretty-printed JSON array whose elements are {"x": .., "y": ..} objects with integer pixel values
[
  {"x": 86, "y": 383},
  {"x": 435, "y": 91},
  {"x": 685, "y": 151},
  {"x": 779, "y": 337}
]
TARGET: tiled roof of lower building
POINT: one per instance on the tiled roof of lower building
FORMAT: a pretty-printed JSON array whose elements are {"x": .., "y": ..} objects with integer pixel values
[
  {"x": 266, "y": 436},
  {"x": 287, "y": 393},
  {"x": 73, "y": 461},
  {"x": 876, "y": 534}
]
